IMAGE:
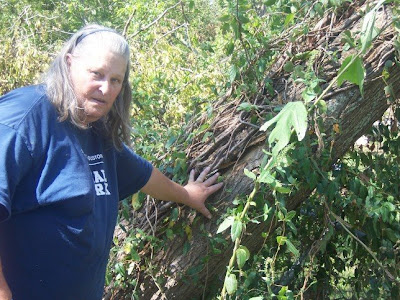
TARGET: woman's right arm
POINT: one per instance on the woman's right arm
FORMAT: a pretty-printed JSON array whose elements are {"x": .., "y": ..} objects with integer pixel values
[{"x": 5, "y": 292}]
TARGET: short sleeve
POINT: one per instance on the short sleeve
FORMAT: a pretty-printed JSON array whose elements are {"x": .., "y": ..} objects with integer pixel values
[
  {"x": 133, "y": 172},
  {"x": 15, "y": 161}
]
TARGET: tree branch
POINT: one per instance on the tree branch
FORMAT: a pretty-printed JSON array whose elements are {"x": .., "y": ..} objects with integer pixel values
[{"x": 156, "y": 20}]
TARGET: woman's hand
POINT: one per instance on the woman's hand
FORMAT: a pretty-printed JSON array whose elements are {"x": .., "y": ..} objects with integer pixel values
[
  {"x": 200, "y": 189},
  {"x": 194, "y": 194}
]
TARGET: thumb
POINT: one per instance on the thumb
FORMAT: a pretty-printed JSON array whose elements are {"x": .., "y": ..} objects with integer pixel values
[{"x": 205, "y": 212}]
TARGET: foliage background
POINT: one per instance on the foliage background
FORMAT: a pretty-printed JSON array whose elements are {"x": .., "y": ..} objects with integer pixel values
[{"x": 186, "y": 54}]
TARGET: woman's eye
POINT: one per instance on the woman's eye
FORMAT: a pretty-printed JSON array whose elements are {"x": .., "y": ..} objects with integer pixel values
[{"x": 95, "y": 73}]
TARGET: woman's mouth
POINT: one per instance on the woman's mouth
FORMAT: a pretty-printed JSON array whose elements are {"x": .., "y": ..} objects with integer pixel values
[{"x": 100, "y": 101}]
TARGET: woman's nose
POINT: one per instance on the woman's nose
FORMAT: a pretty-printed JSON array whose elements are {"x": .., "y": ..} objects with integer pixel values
[{"x": 105, "y": 87}]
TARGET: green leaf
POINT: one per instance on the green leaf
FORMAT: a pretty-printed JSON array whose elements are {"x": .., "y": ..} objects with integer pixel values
[
  {"x": 282, "y": 291},
  {"x": 308, "y": 94},
  {"x": 267, "y": 209},
  {"x": 235, "y": 27},
  {"x": 290, "y": 215},
  {"x": 323, "y": 108},
  {"x": 352, "y": 70},
  {"x": 191, "y": 4},
  {"x": 225, "y": 18},
  {"x": 246, "y": 106},
  {"x": 242, "y": 255},
  {"x": 257, "y": 298},
  {"x": 169, "y": 233},
  {"x": 292, "y": 227},
  {"x": 135, "y": 255},
  {"x": 233, "y": 73},
  {"x": 368, "y": 29},
  {"x": 288, "y": 67},
  {"x": 292, "y": 248},
  {"x": 282, "y": 189},
  {"x": 391, "y": 235},
  {"x": 231, "y": 284},
  {"x": 174, "y": 214},
  {"x": 281, "y": 240},
  {"x": 243, "y": 19},
  {"x": 236, "y": 229},
  {"x": 225, "y": 224},
  {"x": 229, "y": 48},
  {"x": 266, "y": 177},
  {"x": 289, "y": 18},
  {"x": 250, "y": 174},
  {"x": 293, "y": 115},
  {"x": 186, "y": 248},
  {"x": 348, "y": 38}
]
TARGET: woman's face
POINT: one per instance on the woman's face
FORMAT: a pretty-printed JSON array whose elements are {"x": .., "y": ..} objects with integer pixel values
[{"x": 97, "y": 78}]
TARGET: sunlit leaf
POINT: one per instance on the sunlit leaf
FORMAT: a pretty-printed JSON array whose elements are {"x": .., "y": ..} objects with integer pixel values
[
  {"x": 250, "y": 174},
  {"x": 225, "y": 18},
  {"x": 354, "y": 71},
  {"x": 323, "y": 108},
  {"x": 267, "y": 210},
  {"x": 242, "y": 255},
  {"x": 135, "y": 201},
  {"x": 236, "y": 229},
  {"x": 266, "y": 177},
  {"x": 281, "y": 240},
  {"x": 308, "y": 94},
  {"x": 292, "y": 116},
  {"x": 289, "y": 19},
  {"x": 229, "y": 48},
  {"x": 225, "y": 224},
  {"x": 292, "y": 248},
  {"x": 231, "y": 284},
  {"x": 368, "y": 29},
  {"x": 233, "y": 73},
  {"x": 283, "y": 189}
]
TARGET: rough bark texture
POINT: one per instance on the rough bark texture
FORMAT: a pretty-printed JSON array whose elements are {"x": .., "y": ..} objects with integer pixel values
[{"x": 238, "y": 145}]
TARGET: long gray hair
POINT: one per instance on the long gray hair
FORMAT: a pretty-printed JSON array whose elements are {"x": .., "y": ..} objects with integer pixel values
[{"x": 116, "y": 125}]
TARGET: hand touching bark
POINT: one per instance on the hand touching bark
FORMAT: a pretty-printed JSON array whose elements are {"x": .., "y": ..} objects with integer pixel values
[
  {"x": 200, "y": 189},
  {"x": 194, "y": 194}
]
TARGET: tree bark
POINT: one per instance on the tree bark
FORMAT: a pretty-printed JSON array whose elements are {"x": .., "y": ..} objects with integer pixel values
[{"x": 238, "y": 145}]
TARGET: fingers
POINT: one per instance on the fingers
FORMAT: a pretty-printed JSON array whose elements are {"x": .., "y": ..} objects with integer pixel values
[
  {"x": 203, "y": 174},
  {"x": 211, "y": 180},
  {"x": 191, "y": 176},
  {"x": 205, "y": 212},
  {"x": 212, "y": 189}
]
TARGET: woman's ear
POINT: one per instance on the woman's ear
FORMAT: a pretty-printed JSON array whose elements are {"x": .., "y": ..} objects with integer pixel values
[{"x": 68, "y": 59}]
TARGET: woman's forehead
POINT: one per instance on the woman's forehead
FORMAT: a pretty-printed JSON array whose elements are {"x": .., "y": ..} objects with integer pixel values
[{"x": 102, "y": 59}]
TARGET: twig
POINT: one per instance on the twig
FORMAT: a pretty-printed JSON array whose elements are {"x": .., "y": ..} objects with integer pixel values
[
  {"x": 128, "y": 23},
  {"x": 156, "y": 20},
  {"x": 169, "y": 32},
  {"x": 147, "y": 216}
]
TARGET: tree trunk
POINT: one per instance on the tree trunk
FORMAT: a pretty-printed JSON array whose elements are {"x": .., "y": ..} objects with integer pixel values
[{"x": 238, "y": 145}]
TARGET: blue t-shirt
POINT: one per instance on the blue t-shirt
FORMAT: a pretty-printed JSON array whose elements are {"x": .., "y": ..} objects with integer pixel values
[{"x": 59, "y": 193}]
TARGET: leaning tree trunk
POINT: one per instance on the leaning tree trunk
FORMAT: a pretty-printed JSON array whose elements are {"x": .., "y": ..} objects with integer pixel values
[{"x": 237, "y": 144}]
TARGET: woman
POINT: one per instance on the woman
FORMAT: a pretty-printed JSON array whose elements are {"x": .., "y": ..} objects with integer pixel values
[{"x": 64, "y": 165}]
